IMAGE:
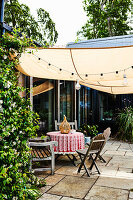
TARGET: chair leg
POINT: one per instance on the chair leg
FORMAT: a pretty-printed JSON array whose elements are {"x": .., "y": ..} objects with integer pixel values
[
  {"x": 101, "y": 158},
  {"x": 94, "y": 163},
  {"x": 72, "y": 160},
  {"x": 83, "y": 164}
]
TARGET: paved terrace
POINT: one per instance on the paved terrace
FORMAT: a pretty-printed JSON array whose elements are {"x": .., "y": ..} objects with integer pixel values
[{"x": 114, "y": 182}]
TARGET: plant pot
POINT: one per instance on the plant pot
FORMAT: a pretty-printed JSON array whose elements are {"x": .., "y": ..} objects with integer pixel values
[{"x": 87, "y": 139}]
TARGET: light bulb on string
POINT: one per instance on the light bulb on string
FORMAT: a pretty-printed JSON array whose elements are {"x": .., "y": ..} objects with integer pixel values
[
  {"x": 117, "y": 73},
  {"x": 125, "y": 81},
  {"x": 48, "y": 66},
  {"x": 77, "y": 86},
  {"x": 101, "y": 76},
  {"x": 72, "y": 75},
  {"x": 86, "y": 76},
  {"x": 60, "y": 70}
]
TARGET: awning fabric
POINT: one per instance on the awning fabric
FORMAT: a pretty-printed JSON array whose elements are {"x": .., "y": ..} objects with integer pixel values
[{"x": 98, "y": 68}]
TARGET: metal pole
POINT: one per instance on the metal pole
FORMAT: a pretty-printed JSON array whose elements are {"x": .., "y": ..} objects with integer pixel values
[
  {"x": 31, "y": 92},
  {"x": 2, "y": 16},
  {"x": 58, "y": 101}
]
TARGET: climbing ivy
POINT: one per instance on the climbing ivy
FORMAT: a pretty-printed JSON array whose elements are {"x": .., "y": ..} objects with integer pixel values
[{"x": 17, "y": 124}]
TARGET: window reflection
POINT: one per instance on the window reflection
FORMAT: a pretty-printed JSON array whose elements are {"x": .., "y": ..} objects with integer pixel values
[
  {"x": 43, "y": 93},
  {"x": 66, "y": 100}
]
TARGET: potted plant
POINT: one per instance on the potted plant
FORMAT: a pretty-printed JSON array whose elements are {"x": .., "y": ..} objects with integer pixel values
[
  {"x": 89, "y": 131},
  {"x": 108, "y": 115}
]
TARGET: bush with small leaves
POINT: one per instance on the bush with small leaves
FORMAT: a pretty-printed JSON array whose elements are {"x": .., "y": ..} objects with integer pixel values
[{"x": 17, "y": 124}]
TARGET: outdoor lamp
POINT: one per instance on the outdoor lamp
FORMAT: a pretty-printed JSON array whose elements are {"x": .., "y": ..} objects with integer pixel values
[
  {"x": 125, "y": 81},
  {"x": 77, "y": 86}
]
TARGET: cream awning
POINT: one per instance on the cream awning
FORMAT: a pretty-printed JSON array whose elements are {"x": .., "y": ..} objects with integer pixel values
[{"x": 98, "y": 68}]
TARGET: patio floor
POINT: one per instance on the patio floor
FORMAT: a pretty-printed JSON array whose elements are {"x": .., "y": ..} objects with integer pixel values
[{"x": 114, "y": 182}]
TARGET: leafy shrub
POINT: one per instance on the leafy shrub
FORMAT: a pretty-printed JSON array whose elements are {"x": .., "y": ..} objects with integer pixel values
[
  {"x": 125, "y": 123},
  {"x": 17, "y": 124},
  {"x": 89, "y": 131}
]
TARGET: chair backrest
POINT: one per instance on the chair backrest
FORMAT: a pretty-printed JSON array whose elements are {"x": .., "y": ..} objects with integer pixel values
[
  {"x": 72, "y": 124},
  {"x": 96, "y": 144},
  {"x": 107, "y": 133}
]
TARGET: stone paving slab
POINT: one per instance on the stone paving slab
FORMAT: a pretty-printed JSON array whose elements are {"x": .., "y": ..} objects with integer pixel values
[
  {"x": 46, "y": 196},
  {"x": 53, "y": 179},
  {"x": 69, "y": 170},
  {"x": 75, "y": 187},
  {"x": 119, "y": 183},
  {"x": 104, "y": 172},
  {"x": 121, "y": 162},
  {"x": 106, "y": 193},
  {"x": 129, "y": 153},
  {"x": 67, "y": 198},
  {"x": 119, "y": 153},
  {"x": 127, "y": 170},
  {"x": 122, "y": 174},
  {"x": 44, "y": 189}
]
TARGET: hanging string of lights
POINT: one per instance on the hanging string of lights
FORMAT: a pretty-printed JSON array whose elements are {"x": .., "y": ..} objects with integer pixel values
[{"x": 60, "y": 70}]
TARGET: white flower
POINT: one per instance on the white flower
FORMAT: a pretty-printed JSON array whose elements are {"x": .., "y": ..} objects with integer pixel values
[
  {"x": 1, "y": 101},
  {"x": 20, "y": 132},
  {"x": 14, "y": 104},
  {"x": 13, "y": 129},
  {"x": 8, "y": 84},
  {"x": 14, "y": 143},
  {"x": 5, "y": 57}
]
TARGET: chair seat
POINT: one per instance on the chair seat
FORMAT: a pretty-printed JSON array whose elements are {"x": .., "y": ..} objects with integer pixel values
[{"x": 84, "y": 151}]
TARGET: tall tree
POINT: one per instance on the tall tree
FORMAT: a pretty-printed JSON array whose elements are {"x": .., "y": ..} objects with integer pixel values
[
  {"x": 42, "y": 30},
  {"x": 106, "y": 18}
]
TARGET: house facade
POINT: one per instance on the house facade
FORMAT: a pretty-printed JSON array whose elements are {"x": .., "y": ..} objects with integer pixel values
[{"x": 52, "y": 99}]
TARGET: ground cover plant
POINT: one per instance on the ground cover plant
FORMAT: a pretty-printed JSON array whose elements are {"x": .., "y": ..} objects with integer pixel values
[
  {"x": 125, "y": 124},
  {"x": 17, "y": 124}
]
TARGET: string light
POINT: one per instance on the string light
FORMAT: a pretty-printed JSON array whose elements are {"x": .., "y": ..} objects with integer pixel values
[
  {"x": 86, "y": 75},
  {"x": 117, "y": 73},
  {"x": 77, "y": 86},
  {"x": 60, "y": 70},
  {"x": 72, "y": 74},
  {"x": 125, "y": 81},
  {"x": 48, "y": 65}
]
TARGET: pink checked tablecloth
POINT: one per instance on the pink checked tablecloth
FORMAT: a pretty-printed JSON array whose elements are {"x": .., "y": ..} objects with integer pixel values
[{"x": 67, "y": 143}]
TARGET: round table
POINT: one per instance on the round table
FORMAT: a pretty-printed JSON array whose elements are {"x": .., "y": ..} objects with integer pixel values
[{"x": 67, "y": 143}]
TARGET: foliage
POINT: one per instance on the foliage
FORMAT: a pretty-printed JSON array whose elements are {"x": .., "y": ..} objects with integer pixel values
[
  {"x": 108, "y": 114},
  {"x": 88, "y": 130},
  {"x": 17, "y": 124},
  {"x": 41, "y": 30},
  {"x": 125, "y": 122},
  {"x": 106, "y": 18}
]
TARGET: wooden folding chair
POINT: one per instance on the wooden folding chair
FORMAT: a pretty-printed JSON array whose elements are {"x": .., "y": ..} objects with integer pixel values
[{"x": 93, "y": 151}]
